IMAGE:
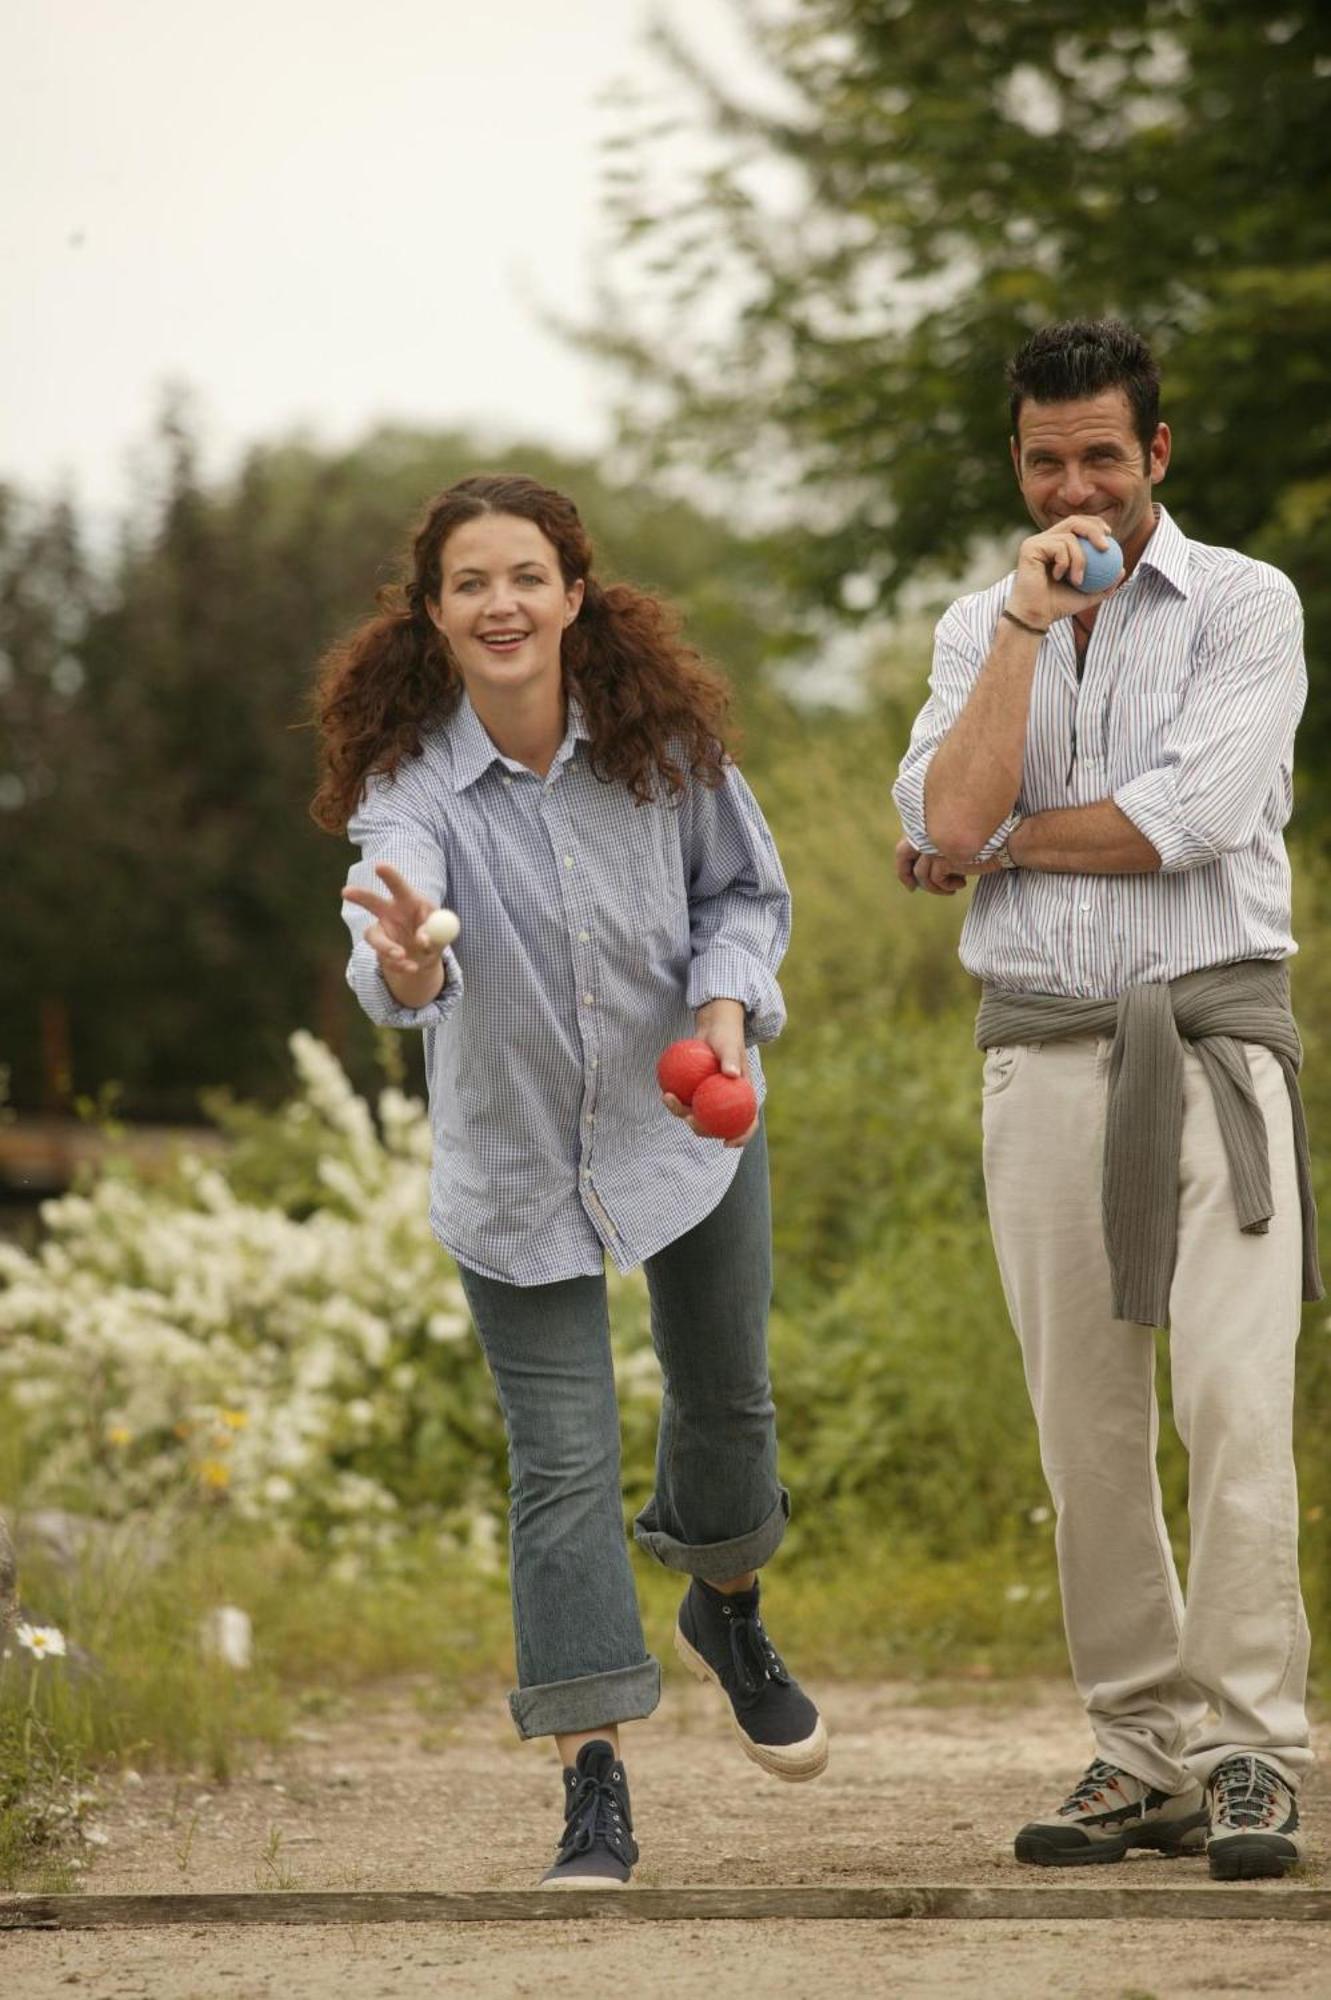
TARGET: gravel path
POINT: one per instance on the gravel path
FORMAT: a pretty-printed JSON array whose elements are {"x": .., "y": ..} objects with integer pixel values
[{"x": 925, "y": 1785}]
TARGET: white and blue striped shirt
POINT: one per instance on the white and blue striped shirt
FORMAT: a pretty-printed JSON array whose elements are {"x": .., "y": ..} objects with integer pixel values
[
  {"x": 591, "y": 930},
  {"x": 1191, "y": 689}
]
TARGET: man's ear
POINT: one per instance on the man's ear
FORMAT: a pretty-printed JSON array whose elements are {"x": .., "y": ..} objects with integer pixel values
[{"x": 1162, "y": 445}]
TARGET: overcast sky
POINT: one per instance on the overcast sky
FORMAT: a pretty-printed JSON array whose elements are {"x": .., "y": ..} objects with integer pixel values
[{"x": 316, "y": 214}]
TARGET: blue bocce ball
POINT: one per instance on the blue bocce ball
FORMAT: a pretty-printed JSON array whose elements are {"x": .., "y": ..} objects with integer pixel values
[{"x": 1103, "y": 566}]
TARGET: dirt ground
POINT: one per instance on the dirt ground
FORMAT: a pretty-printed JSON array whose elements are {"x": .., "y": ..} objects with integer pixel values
[{"x": 926, "y": 1785}]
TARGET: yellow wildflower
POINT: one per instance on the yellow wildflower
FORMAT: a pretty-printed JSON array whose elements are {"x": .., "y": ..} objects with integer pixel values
[{"x": 215, "y": 1475}]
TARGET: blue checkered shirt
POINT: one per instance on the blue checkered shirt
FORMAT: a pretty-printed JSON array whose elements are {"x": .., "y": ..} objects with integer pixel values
[{"x": 592, "y": 928}]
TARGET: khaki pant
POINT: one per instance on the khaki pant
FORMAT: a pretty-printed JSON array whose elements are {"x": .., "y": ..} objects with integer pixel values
[{"x": 1170, "y": 1688}]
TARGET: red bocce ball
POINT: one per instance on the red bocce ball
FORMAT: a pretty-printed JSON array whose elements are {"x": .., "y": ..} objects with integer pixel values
[
  {"x": 683, "y": 1066},
  {"x": 725, "y": 1106}
]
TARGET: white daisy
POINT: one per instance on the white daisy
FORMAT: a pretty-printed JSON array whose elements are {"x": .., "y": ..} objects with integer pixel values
[{"x": 42, "y": 1641}]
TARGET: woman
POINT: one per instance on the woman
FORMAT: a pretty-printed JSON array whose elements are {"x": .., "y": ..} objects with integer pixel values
[{"x": 544, "y": 755}]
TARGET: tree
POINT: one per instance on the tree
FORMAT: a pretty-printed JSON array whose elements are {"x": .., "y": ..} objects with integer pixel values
[
  {"x": 171, "y": 910},
  {"x": 824, "y": 307}
]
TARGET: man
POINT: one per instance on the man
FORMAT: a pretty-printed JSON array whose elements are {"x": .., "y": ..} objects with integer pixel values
[{"x": 1116, "y": 769}]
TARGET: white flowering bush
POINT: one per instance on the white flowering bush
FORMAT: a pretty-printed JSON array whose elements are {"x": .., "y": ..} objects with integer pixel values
[{"x": 310, "y": 1366}]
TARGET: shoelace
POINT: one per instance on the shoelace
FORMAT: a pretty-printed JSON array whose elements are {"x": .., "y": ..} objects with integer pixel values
[
  {"x": 752, "y": 1654},
  {"x": 1246, "y": 1792},
  {"x": 1096, "y": 1777},
  {"x": 594, "y": 1811}
]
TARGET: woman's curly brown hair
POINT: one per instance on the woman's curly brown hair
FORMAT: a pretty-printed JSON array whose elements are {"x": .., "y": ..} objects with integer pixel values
[{"x": 654, "y": 709}]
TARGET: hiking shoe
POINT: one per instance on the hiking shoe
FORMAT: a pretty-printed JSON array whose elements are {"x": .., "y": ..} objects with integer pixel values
[
  {"x": 598, "y": 1849},
  {"x": 1254, "y": 1821},
  {"x": 1109, "y": 1812},
  {"x": 721, "y": 1639}
]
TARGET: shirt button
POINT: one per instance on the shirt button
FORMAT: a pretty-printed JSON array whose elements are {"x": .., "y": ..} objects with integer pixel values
[
  {"x": 508, "y": 779},
  {"x": 592, "y": 1063},
  {"x": 1086, "y": 909},
  {"x": 568, "y": 861},
  {"x": 589, "y": 999},
  {"x": 584, "y": 937}
]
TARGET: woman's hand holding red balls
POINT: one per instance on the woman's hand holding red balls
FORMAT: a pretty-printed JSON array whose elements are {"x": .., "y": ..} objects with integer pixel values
[{"x": 711, "y": 1067}]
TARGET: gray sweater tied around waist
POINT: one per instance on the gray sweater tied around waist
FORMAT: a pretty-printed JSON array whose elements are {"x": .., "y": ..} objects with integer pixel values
[{"x": 1216, "y": 1011}]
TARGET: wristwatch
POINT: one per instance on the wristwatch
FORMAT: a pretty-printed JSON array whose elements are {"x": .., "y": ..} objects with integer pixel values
[{"x": 1005, "y": 851}]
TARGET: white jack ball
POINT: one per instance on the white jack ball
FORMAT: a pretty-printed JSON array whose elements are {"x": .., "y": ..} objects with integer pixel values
[{"x": 441, "y": 927}]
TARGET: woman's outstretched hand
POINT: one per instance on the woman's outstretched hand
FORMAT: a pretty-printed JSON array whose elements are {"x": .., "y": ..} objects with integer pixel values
[{"x": 403, "y": 949}]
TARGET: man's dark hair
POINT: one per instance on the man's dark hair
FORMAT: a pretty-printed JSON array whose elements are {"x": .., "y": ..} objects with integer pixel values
[{"x": 1082, "y": 357}]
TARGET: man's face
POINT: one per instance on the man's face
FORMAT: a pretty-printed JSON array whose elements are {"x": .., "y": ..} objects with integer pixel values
[{"x": 1086, "y": 458}]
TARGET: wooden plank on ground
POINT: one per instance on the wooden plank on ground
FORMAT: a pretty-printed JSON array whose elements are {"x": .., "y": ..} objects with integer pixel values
[{"x": 885, "y": 1903}]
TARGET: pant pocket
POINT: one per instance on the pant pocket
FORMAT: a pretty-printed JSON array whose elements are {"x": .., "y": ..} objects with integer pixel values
[{"x": 1000, "y": 1066}]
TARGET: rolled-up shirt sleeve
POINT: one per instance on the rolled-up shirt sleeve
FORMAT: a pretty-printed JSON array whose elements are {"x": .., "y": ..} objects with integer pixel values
[
  {"x": 739, "y": 903},
  {"x": 1232, "y": 736},
  {"x": 391, "y": 826},
  {"x": 956, "y": 666}
]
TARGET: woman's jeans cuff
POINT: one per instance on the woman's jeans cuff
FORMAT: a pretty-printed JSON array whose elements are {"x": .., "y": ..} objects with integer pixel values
[
  {"x": 562, "y": 1708},
  {"x": 715, "y": 1562}
]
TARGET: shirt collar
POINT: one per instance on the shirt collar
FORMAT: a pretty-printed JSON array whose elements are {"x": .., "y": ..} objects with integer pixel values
[
  {"x": 474, "y": 751},
  {"x": 1167, "y": 553}
]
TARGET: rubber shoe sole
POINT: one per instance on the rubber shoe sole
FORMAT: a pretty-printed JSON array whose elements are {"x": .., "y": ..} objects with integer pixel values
[
  {"x": 796, "y": 1762},
  {"x": 1251, "y": 1858},
  {"x": 562, "y": 1882},
  {"x": 1172, "y": 1843}
]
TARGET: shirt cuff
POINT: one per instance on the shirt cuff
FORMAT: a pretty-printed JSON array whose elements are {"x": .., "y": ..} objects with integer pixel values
[
  {"x": 999, "y": 838},
  {"x": 908, "y": 798},
  {"x": 727, "y": 973},
  {"x": 369, "y": 986},
  {"x": 1151, "y": 803}
]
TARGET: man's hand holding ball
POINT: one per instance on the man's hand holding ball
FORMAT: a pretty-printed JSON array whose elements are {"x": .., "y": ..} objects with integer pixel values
[{"x": 1063, "y": 570}]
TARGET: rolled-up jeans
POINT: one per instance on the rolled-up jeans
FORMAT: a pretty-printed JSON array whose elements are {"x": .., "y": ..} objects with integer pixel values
[{"x": 718, "y": 1508}]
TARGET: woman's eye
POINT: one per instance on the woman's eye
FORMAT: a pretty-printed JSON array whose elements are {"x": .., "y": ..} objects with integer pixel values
[{"x": 529, "y": 578}]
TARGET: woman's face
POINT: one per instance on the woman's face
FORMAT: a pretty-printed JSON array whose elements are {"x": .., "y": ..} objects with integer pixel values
[{"x": 503, "y": 604}]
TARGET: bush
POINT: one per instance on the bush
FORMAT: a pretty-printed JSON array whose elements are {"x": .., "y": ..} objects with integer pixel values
[{"x": 307, "y": 1366}]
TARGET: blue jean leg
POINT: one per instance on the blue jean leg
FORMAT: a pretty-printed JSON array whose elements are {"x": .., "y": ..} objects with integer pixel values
[
  {"x": 582, "y": 1660},
  {"x": 718, "y": 1509}
]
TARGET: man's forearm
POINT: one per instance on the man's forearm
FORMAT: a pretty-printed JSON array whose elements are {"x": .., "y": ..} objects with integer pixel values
[
  {"x": 975, "y": 773},
  {"x": 1083, "y": 840}
]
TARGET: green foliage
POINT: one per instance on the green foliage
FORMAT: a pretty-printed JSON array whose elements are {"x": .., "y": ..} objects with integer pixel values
[{"x": 823, "y": 307}]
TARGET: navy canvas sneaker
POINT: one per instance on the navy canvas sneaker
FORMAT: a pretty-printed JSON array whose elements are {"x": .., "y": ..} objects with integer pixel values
[
  {"x": 721, "y": 1639},
  {"x": 1110, "y": 1811},
  {"x": 598, "y": 1849},
  {"x": 1254, "y": 1821}
]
